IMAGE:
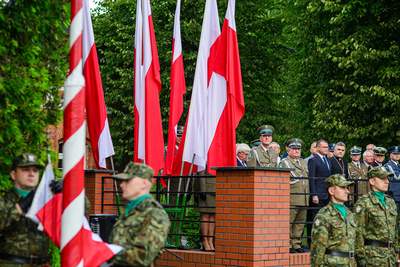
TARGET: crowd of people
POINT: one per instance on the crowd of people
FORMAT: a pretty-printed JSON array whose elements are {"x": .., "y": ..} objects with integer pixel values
[{"x": 349, "y": 221}]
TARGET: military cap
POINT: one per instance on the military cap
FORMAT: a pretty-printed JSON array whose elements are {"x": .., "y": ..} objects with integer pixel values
[
  {"x": 179, "y": 131},
  {"x": 380, "y": 151},
  {"x": 355, "y": 150},
  {"x": 332, "y": 147},
  {"x": 256, "y": 142},
  {"x": 337, "y": 179},
  {"x": 379, "y": 172},
  {"x": 287, "y": 141},
  {"x": 394, "y": 150},
  {"x": 266, "y": 130},
  {"x": 294, "y": 143},
  {"x": 136, "y": 170},
  {"x": 25, "y": 160}
]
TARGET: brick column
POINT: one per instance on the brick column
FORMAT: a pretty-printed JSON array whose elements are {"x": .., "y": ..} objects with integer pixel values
[
  {"x": 93, "y": 180},
  {"x": 252, "y": 216}
]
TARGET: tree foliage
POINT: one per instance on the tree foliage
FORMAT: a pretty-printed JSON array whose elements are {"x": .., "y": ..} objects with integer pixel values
[
  {"x": 33, "y": 65},
  {"x": 348, "y": 64},
  {"x": 259, "y": 29}
]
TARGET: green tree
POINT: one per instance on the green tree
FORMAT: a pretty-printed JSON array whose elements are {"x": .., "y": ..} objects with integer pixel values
[
  {"x": 33, "y": 67},
  {"x": 259, "y": 28},
  {"x": 348, "y": 58}
]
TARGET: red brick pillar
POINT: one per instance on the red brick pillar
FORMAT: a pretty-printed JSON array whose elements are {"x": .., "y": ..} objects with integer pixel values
[
  {"x": 93, "y": 181},
  {"x": 252, "y": 216}
]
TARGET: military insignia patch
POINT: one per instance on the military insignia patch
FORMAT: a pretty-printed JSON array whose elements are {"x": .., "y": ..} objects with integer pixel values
[
  {"x": 358, "y": 209},
  {"x": 342, "y": 177},
  {"x": 316, "y": 222}
]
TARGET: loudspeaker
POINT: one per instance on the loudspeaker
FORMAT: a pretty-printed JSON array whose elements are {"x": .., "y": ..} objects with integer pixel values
[{"x": 102, "y": 224}]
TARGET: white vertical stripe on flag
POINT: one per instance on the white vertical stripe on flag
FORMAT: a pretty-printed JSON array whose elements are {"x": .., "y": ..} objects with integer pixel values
[{"x": 209, "y": 34}]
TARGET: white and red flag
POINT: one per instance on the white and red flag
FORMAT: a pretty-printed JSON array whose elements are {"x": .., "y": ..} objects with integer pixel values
[
  {"x": 178, "y": 89},
  {"x": 209, "y": 40},
  {"x": 225, "y": 103},
  {"x": 149, "y": 140},
  {"x": 99, "y": 131},
  {"x": 46, "y": 210}
]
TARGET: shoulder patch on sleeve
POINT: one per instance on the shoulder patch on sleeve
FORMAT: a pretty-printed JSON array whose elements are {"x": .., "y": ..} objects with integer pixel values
[
  {"x": 317, "y": 222},
  {"x": 358, "y": 209}
]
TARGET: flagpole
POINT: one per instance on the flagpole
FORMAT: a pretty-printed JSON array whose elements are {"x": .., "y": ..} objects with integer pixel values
[
  {"x": 73, "y": 206},
  {"x": 115, "y": 185}
]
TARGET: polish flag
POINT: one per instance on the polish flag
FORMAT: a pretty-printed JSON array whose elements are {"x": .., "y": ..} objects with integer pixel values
[
  {"x": 46, "y": 210},
  {"x": 209, "y": 40},
  {"x": 225, "y": 101},
  {"x": 149, "y": 140},
  {"x": 99, "y": 132},
  {"x": 178, "y": 89}
]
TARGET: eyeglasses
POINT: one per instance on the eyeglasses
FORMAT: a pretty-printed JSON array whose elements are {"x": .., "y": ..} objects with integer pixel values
[
  {"x": 246, "y": 154},
  {"x": 323, "y": 146},
  {"x": 274, "y": 147}
]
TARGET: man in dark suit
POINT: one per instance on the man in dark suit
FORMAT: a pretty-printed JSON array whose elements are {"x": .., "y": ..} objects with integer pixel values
[
  {"x": 339, "y": 165},
  {"x": 318, "y": 166},
  {"x": 242, "y": 153}
]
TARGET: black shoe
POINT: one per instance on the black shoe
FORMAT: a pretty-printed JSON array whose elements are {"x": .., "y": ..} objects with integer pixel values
[
  {"x": 292, "y": 251},
  {"x": 183, "y": 248},
  {"x": 300, "y": 250}
]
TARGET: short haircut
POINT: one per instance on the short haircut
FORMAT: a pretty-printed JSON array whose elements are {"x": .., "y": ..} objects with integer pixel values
[
  {"x": 313, "y": 143},
  {"x": 321, "y": 141},
  {"x": 242, "y": 147},
  {"x": 370, "y": 145},
  {"x": 368, "y": 151},
  {"x": 275, "y": 143},
  {"x": 340, "y": 144}
]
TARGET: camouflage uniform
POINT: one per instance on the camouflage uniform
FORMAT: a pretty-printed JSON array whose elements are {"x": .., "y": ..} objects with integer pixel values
[
  {"x": 374, "y": 222},
  {"x": 332, "y": 232},
  {"x": 19, "y": 235},
  {"x": 143, "y": 230},
  {"x": 141, "y": 233}
]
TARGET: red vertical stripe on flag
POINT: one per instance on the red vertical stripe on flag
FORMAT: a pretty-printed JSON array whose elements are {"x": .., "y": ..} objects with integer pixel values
[
  {"x": 178, "y": 89},
  {"x": 222, "y": 151}
]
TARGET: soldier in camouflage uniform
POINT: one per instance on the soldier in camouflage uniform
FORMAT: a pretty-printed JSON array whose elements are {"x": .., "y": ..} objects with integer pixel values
[
  {"x": 21, "y": 244},
  {"x": 334, "y": 229},
  {"x": 142, "y": 230},
  {"x": 263, "y": 155},
  {"x": 376, "y": 217}
]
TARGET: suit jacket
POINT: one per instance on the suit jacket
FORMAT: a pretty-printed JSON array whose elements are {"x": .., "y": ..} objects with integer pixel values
[
  {"x": 336, "y": 169},
  {"x": 239, "y": 163},
  {"x": 317, "y": 168}
]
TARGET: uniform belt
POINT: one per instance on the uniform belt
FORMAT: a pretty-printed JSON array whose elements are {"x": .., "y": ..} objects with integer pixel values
[
  {"x": 32, "y": 260},
  {"x": 379, "y": 243},
  {"x": 349, "y": 254}
]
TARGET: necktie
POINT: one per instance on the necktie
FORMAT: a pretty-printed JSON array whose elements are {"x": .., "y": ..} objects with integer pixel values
[
  {"x": 326, "y": 163},
  {"x": 244, "y": 163},
  {"x": 341, "y": 165},
  {"x": 296, "y": 163},
  {"x": 358, "y": 165}
]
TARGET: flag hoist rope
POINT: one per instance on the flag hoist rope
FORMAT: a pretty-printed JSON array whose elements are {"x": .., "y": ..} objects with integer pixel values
[{"x": 74, "y": 147}]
